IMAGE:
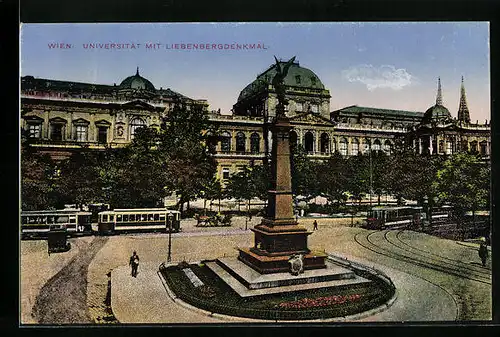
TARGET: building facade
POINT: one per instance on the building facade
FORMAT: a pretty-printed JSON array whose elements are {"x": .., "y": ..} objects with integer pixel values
[{"x": 62, "y": 117}]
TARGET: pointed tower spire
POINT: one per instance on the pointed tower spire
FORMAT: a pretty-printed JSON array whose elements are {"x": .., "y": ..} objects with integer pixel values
[
  {"x": 463, "y": 110},
  {"x": 137, "y": 72},
  {"x": 439, "y": 98}
]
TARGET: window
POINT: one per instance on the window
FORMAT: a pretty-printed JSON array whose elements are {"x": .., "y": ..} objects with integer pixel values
[
  {"x": 34, "y": 130},
  {"x": 343, "y": 147},
  {"x": 225, "y": 173},
  {"x": 297, "y": 79},
  {"x": 441, "y": 146},
  {"x": 135, "y": 125},
  {"x": 255, "y": 143},
  {"x": 449, "y": 147},
  {"x": 324, "y": 143},
  {"x": 225, "y": 142},
  {"x": 56, "y": 131},
  {"x": 111, "y": 218},
  {"x": 293, "y": 139},
  {"x": 473, "y": 146},
  {"x": 105, "y": 218},
  {"x": 240, "y": 142},
  {"x": 387, "y": 147},
  {"x": 367, "y": 145},
  {"x": 376, "y": 145},
  {"x": 309, "y": 142},
  {"x": 157, "y": 217},
  {"x": 313, "y": 80},
  {"x": 483, "y": 148},
  {"x": 118, "y": 217},
  {"x": 102, "y": 134},
  {"x": 355, "y": 147},
  {"x": 314, "y": 108},
  {"x": 81, "y": 133},
  {"x": 300, "y": 106}
]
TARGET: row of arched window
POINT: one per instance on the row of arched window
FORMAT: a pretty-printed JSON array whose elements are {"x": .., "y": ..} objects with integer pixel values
[
  {"x": 324, "y": 144},
  {"x": 240, "y": 139}
]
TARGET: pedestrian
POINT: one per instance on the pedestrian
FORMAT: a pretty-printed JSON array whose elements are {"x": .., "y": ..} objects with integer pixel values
[
  {"x": 483, "y": 253},
  {"x": 134, "y": 263},
  {"x": 315, "y": 225}
]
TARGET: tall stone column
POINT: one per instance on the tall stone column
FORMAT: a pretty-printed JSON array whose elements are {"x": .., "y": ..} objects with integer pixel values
[{"x": 279, "y": 236}]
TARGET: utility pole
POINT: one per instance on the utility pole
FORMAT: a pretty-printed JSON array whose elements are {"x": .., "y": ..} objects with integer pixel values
[
  {"x": 371, "y": 174},
  {"x": 169, "y": 220}
]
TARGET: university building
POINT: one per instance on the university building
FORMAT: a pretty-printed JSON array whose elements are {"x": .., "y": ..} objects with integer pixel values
[{"x": 62, "y": 117}]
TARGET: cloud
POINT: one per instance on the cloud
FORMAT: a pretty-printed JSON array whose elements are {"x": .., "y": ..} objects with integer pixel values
[{"x": 385, "y": 76}]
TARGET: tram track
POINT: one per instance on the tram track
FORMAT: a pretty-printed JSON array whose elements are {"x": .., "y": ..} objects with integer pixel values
[
  {"x": 356, "y": 239},
  {"x": 373, "y": 247},
  {"x": 458, "y": 263}
]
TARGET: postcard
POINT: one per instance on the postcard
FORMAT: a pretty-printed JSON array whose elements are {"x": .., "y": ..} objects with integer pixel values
[{"x": 212, "y": 173}]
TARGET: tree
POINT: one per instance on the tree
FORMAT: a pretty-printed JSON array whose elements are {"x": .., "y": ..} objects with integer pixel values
[
  {"x": 380, "y": 178},
  {"x": 79, "y": 181},
  {"x": 332, "y": 179},
  {"x": 38, "y": 178},
  {"x": 358, "y": 176},
  {"x": 213, "y": 191},
  {"x": 411, "y": 175},
  {"x": 183, "y": 138},
  {"x": 303, "y": 170},
  {"x": 464, "y": 182}
]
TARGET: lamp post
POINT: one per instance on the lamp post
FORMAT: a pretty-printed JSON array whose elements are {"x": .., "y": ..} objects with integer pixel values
[{"x": 169, "y": 220}]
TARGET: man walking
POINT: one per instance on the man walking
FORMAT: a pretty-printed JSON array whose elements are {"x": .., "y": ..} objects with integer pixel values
[
  {"x": 134, "y": 263},
  {"x": 483, "y": 253},
  {"x": 315, "y": 225}
]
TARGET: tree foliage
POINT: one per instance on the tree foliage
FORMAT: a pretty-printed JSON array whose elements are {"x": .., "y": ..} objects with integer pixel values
[{"x": 464, "y": 182}]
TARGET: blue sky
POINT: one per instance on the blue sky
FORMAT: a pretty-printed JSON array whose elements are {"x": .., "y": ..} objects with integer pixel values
[{"x": 383, "y": 65}]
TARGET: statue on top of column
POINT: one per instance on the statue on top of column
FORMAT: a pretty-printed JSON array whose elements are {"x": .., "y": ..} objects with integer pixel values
[{"x": 278, "y": 80}]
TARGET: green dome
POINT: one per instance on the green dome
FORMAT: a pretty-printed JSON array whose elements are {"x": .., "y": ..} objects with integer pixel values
[
  {"x": 437, "y": 114},
  {"x": 297, "y": 76},
  {"x": 137, "y": 82}
]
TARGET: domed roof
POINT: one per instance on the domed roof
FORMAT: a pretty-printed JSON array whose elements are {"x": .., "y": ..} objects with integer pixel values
[
  {"x": 137, "y": 82},
  {"x": 436, "y": 114},
  {"x": 297, "y": 77}
]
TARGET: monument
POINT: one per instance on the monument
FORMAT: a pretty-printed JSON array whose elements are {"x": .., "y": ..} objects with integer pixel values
[
  {"x": 279, "y": 237},
  {"x": 279, "y": 260}
]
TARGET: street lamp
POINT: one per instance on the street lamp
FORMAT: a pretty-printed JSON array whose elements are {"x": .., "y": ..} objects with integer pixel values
[{"x": 169, "y": 220}]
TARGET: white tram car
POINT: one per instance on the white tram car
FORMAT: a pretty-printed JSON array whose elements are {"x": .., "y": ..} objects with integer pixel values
[
  {"x": 138, "y": 219},
  {"x": 40, "y": 223}
]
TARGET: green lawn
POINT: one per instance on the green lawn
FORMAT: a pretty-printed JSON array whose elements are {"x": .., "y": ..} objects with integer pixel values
[{"x": 216, "y": 296}]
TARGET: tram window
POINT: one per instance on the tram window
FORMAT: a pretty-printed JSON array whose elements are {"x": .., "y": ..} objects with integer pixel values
[
  {"x": 144, "y": 217},
  {"x": 118, "y": 218},
  {"x": 72, "y": 219},
  {"x": 157, "y": 217},
  {"x": 111, "y": 218},
  {"x": 150, "y": 217},
  {"x": 105, "y": 218},
  {"x": 162, "y": 216},
  {"x": 125, "y": 217}
]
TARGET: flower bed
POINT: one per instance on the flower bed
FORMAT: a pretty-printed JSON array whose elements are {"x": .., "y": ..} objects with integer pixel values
[
  {"x": 217, "y": 297},
  {"x": 305, "y": 303}
]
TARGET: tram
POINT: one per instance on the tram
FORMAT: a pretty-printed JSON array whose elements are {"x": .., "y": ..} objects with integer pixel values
[
  {"x": 441, "y": 215},
  {"x": 138, "y": 220},
  {"x": 383, "y": 217},
  {"x": 40, "y": 223}
]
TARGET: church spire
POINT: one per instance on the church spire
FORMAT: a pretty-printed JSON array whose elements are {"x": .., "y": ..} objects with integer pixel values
[
  {"x": 463, "y": 110},
  {"x": 439, "y": 98},
  {"x": 137, "y": 72}
]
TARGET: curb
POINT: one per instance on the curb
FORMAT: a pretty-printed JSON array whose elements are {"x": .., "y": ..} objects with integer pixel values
[{"x": 224, "y": 317}]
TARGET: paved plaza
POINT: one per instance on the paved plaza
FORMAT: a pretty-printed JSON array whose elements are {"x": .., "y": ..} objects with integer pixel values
[{"x": 436, "y": 279}]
